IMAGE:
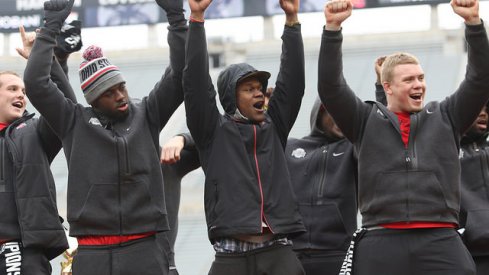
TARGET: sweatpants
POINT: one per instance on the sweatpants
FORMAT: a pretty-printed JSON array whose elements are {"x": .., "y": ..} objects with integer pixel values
[
  {"x": 321, "y": 262},
  {"x": 17, "y": 260},
  {"x": 142, "y": 256},
  {"x": 482, "y": 264},
  {"x": 271, "y": 260},
  {"x": 433, "y": 251}
]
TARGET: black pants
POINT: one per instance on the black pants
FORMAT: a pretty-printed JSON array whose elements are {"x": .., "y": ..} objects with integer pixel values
[
  {"x": 321, "y": 262},
  {"x": 271, "y": 260},
  {"x": 412, "y": 252},
  {"x": 142, "y": 256},
  {"x": 482, "y": 264},
  {"x": 15, "y": 259}
]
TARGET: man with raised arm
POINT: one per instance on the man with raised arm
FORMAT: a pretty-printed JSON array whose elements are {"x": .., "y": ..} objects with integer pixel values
[
  {"x": 250, "y": 208},
  {"x": 31, "y": 233},
  {"x": 408, "y": 167},
  {"x": 115, "y": 187}
]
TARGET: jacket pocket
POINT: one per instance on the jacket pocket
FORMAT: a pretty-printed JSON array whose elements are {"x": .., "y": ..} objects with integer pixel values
[
  {"x": 325, "y": 228},
  {"x": 407, "y": 196},
  {"x": 139, "y": 210},
  {"x": 211, "y": 196},
  {"x": 8, "y": 214},
  {"x": 100, "y": 210}
]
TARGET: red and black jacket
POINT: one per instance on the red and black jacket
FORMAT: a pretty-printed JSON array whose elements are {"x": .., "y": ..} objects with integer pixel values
[{"x": 247, "y": 180}]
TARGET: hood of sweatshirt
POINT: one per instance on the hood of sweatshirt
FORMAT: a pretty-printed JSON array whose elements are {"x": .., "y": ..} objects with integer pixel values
[
  {"x": 316, "y": 131},
  {"x": 228, "y": 81}
]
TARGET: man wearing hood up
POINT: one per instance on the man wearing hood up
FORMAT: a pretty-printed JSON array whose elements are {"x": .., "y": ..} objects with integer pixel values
[
  {"x": 324, "y": 179},
  {"x": 474, "y": 208},
  {"x": 250, "y": 207}
]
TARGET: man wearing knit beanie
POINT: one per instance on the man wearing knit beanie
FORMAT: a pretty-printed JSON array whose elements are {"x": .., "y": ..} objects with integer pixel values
[
  {"x": 115, "y": 186},
  {"x": 97, "y": 74}
]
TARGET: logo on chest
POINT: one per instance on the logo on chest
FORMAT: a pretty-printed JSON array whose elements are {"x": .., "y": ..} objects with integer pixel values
[{"x": 298, "y": 153}]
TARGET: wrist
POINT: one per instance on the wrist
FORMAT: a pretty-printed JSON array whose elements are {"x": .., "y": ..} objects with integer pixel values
[
  {"x": 473, "y": 21},
  {"x": 176, "y": 19},
  {"x": 53, "y": 26},
  {"x": 197, "y": 17},
  {"x": 332, "y": 27},
  {"x": 292, "y": 20}
]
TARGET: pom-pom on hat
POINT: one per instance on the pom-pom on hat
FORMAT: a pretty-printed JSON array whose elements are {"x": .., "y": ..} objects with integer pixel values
[{"x": 97, "y": 75}]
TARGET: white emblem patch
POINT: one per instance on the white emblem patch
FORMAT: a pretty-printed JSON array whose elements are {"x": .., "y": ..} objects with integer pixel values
[
  {"x": 95, "y": 121},
  {"x": 20, "y": 126},
  {"x": 298, "y": 153}
]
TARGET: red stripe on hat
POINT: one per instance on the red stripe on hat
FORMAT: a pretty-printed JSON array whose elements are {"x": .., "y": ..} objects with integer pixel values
[{"x": 91, "y": 79}]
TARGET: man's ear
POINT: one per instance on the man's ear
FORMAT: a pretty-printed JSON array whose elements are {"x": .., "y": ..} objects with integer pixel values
[{"x": 387, "y": 88}]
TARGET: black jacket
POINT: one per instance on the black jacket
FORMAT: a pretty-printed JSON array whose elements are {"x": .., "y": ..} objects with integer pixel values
[
  {"x": 474, "y": 208},
  {"x": 324, "y": 180},
  {"x": 420, "y": 182},
  {"x": 115, "y": 184},
  {"x": 247, "y": 180},
  {"x": 28, "y": 210}
]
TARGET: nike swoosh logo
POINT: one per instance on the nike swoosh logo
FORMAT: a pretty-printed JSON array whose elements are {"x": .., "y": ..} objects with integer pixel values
[
  {"x": 429, "y": 112},
  {"x": 338, "y": 154}
]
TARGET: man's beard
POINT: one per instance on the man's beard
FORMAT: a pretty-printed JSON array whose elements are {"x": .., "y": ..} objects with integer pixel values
[
  {"x": 113, "y": 116},
  {"x": 116, "y": 116}
]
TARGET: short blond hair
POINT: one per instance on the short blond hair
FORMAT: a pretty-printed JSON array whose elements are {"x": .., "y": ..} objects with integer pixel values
[
  {"x": 391, "y": 61},
  {"x": 8, "y": 73}
]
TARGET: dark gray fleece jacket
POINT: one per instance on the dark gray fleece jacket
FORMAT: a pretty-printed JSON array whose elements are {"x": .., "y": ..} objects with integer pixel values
[
  {"x": 115, "y": 184},
  {"x": 420, "y": 182}
]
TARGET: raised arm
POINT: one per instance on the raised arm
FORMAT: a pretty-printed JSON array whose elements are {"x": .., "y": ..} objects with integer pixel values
[
  {"x": 340, "y": 101},
  {"x": 200, "y": 103},
  {"x": 379, "y": 88},
  {"x": 289, "y": 88},
  {"x": 473, "y": 93},
  {"x": 45, "y": 95},
  {"x": 167, "y": 94},
  {"x": 50, "y": 141}
]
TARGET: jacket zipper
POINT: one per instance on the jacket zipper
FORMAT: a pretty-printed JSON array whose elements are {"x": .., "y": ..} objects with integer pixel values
[
  {"x": 324, "y": 164},
  {"x": 121, "y": 173},
  {"x": 485, "y": 165},
  {"x": 410, "y": 156},
  {"x": 262, "y": 212},
  {"x": 14, "y": 154}
]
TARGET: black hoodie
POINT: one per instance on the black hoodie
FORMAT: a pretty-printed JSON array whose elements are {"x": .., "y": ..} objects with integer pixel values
[
  {"x": 474, "y": 208},
  {"x": 324, "y": 181},
  {"x": 420, "y": 182},
  {"x": 115, "y": 184},
  {"x": 247, "y": 180}
]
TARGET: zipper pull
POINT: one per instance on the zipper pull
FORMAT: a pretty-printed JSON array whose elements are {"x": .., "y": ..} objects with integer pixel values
[{"x": 407, "y": 157}]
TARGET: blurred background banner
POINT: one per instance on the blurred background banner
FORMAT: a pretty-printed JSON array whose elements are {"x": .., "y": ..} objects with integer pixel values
[{"x": 103, "y": 13}]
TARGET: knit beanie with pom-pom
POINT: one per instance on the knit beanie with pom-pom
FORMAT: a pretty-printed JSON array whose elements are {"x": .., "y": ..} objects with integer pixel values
[{"x": 97, "y": 75}]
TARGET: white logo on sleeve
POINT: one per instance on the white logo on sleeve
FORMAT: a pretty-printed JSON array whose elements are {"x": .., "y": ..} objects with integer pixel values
[
  {"x": 429, "y": 112},
  {"x": 338, "y": 154},
  {"x": 95, "y": 121},
  {"x": 298, "y": 153}
]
